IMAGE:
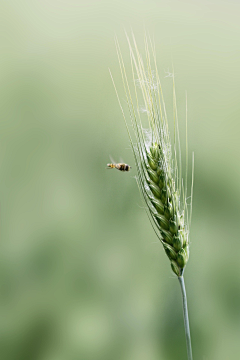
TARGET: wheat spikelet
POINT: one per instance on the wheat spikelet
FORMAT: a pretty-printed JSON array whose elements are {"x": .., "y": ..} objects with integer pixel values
[{"x": 159, "y": 173}]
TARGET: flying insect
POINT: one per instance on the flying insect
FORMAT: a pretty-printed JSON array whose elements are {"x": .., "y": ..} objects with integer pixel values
[{"x": 119, "y": 166}]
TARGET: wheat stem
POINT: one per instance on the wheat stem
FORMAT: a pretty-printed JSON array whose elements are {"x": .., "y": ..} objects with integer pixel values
[{"x": 185, "y": 316}]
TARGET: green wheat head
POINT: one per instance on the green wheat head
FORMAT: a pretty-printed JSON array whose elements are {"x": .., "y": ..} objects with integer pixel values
[{"x": 159, "y": 165}]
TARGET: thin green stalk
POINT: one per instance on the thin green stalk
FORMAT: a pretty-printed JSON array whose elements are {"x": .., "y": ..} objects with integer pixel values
[{"x": 185, "y": 316}]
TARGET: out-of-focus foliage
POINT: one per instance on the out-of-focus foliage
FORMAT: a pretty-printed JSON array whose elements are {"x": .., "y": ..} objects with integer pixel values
[{"x": 82, "y": 275}]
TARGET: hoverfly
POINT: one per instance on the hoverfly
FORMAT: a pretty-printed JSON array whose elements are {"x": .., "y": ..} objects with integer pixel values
[{"x": 119, "y": 166}]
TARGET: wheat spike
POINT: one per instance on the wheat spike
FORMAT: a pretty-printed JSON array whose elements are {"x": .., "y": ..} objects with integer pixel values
[{"x": 159, "y": 165}]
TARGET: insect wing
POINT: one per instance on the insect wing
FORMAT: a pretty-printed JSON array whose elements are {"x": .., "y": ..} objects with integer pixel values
[{"x": 112, "y": 160}]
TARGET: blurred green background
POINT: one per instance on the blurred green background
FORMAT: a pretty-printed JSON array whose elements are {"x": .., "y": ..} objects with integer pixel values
[{"x": 82, "y": 275}]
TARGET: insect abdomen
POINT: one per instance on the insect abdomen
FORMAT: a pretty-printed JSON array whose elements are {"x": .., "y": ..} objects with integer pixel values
[{"x": 123, "y": 167}]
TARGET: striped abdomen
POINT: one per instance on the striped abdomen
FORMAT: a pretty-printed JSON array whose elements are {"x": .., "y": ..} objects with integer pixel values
[{"x": 123, "y": 167}]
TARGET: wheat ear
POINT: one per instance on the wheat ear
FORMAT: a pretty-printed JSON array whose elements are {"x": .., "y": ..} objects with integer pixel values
[{"x": 158, "y": 164}]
